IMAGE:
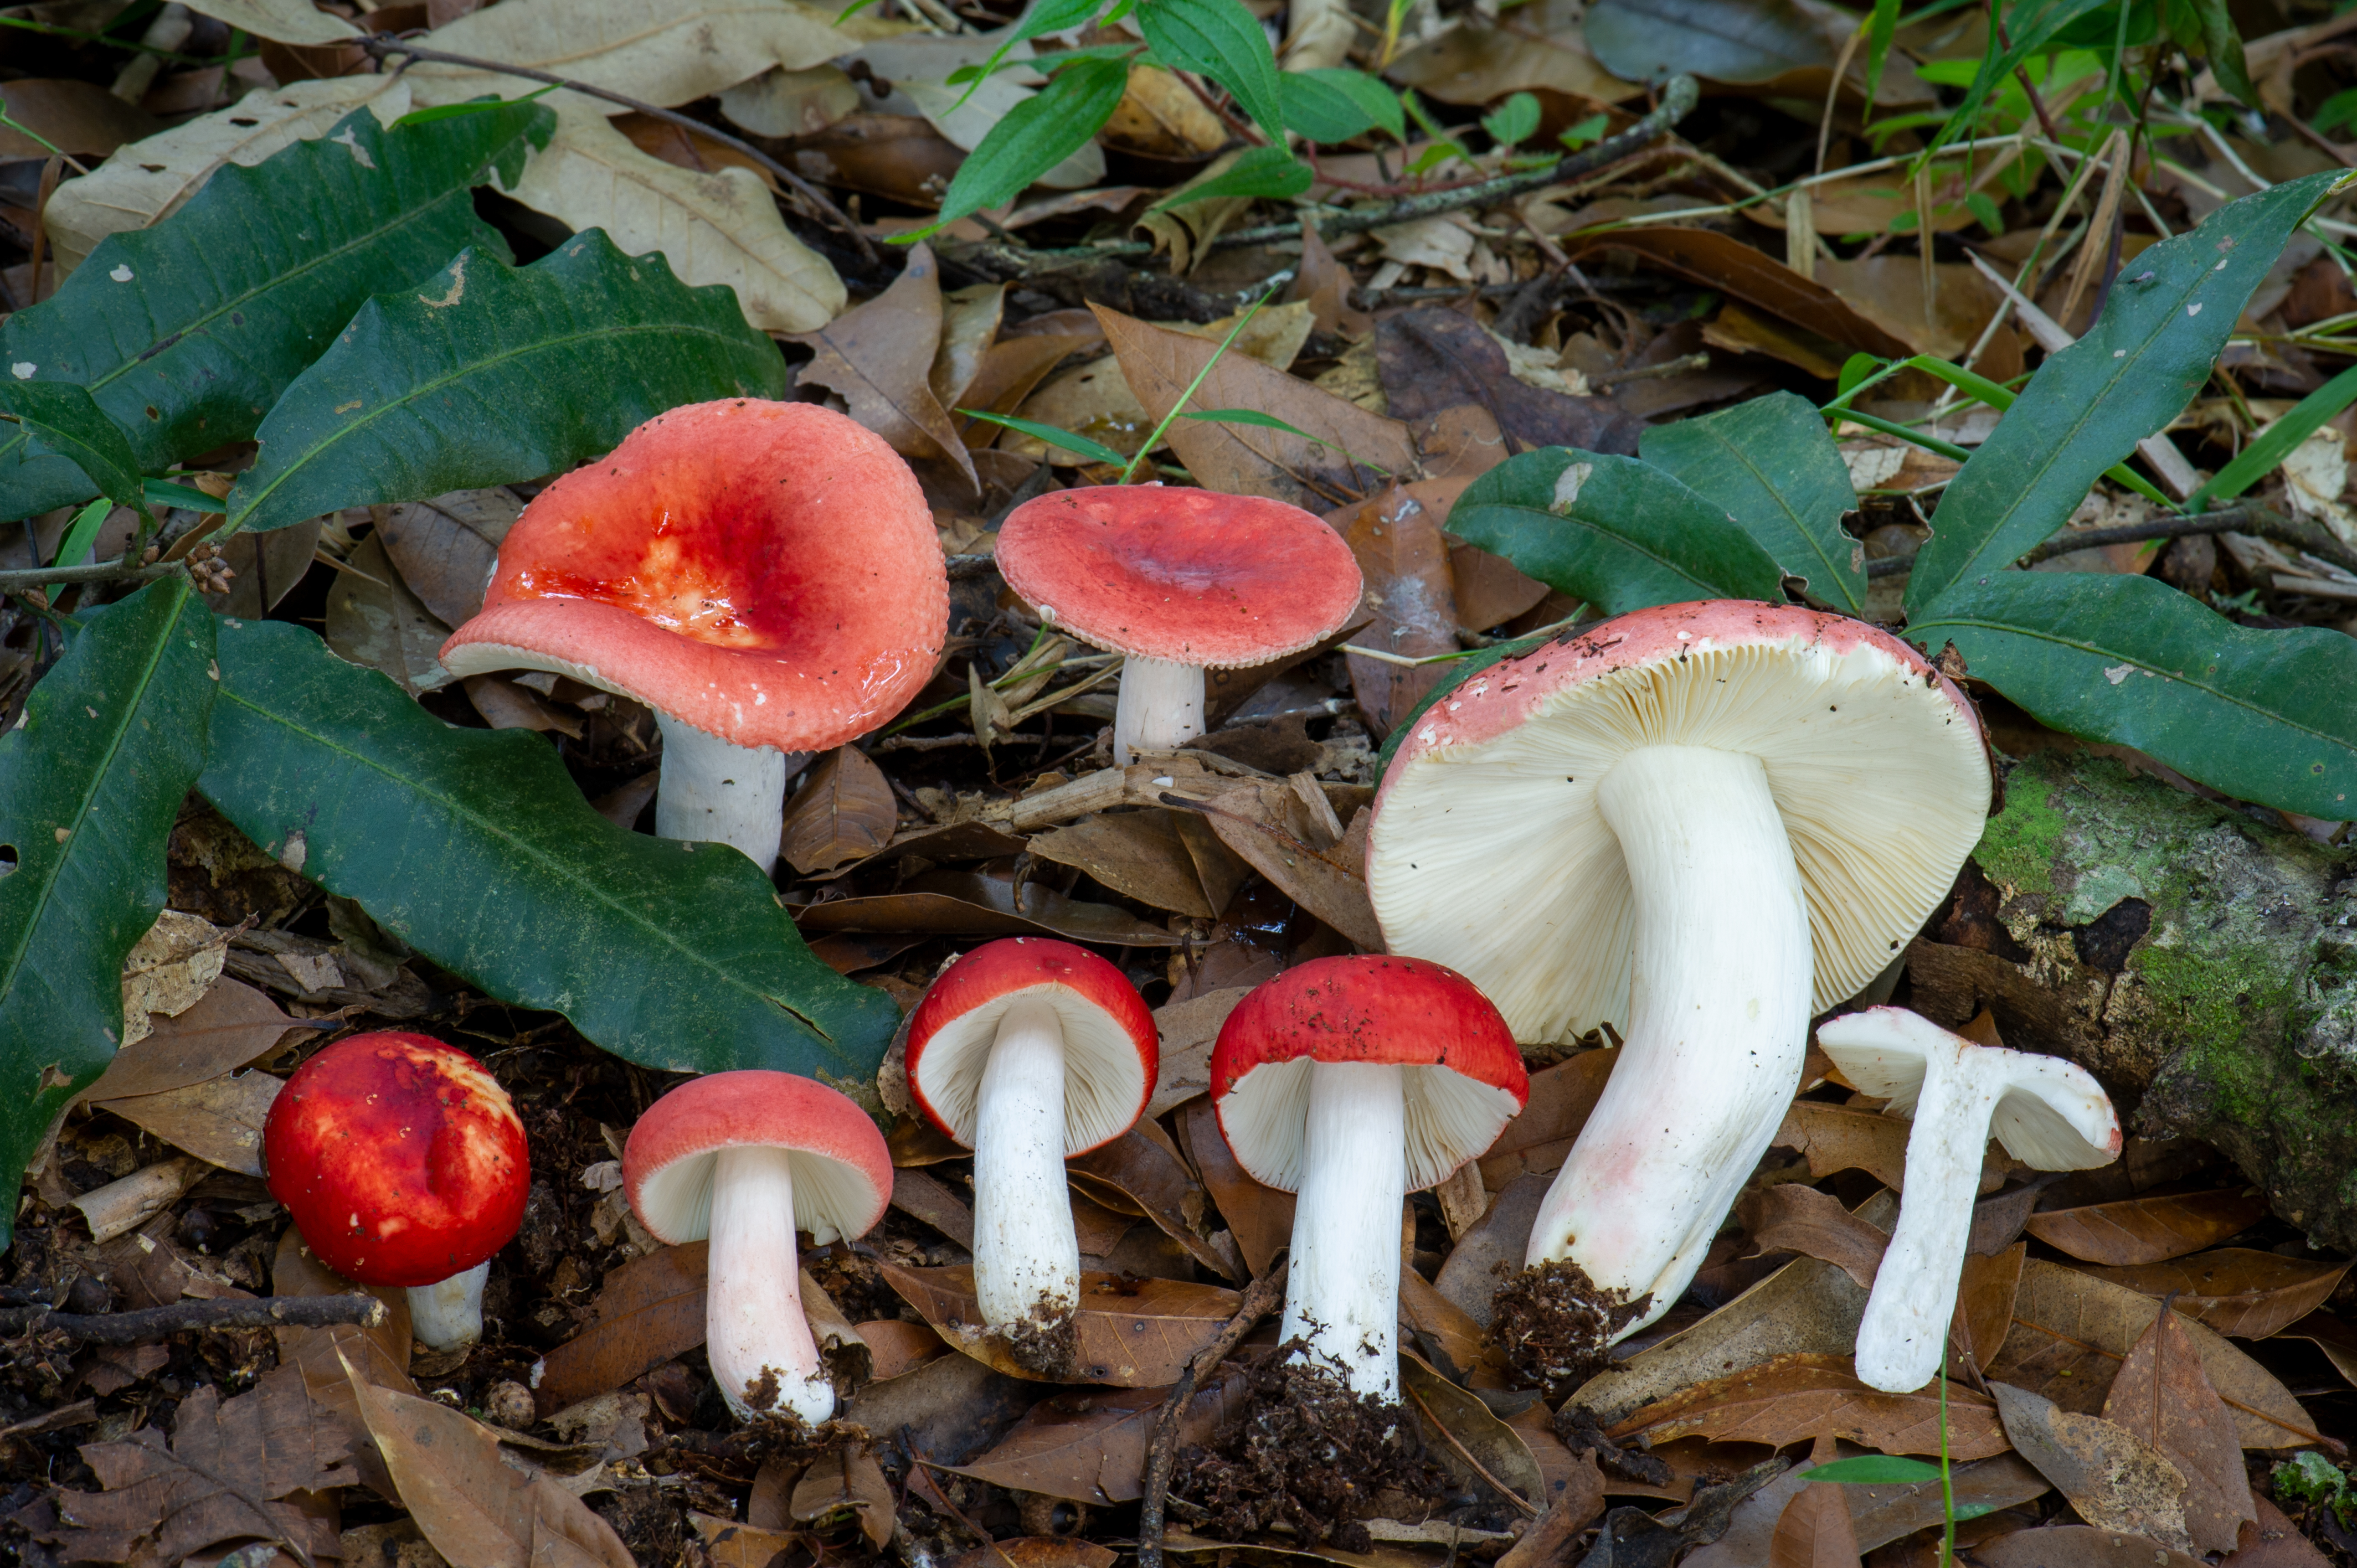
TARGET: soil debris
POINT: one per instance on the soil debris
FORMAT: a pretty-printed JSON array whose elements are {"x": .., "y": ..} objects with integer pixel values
[{"x": 1556, "y": 1326}]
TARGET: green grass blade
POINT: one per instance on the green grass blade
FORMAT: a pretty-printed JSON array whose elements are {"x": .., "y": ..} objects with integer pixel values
[
  {"x": 2277, "y": 441},
  {"x": 1055, "y": 435}
]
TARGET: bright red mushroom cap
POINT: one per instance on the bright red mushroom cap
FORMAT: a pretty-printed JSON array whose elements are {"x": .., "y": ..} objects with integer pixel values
[
  {"x": 765, "y": 571},
  {"x": 1190, "y": 576},
  {"x": 1112, "y": 1051},
  {"x": 400, "y": 1158},
  {"x": 842, "y": 1171},
  {"x": 1464, "y": 1078}
]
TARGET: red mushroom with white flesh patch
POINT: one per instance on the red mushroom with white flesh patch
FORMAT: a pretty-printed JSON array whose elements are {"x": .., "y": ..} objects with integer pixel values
[
  {"x": 746, "y": 1159},
  {"x": 1028, "y": 1051},
  {"x": 1177, "y": 582},
  {"x": 764, "y": 575},
  {"x": 1352, "y": 1082},
  {"x": 1702, "y": 825},
  {"x": 402, "y": 1163}
]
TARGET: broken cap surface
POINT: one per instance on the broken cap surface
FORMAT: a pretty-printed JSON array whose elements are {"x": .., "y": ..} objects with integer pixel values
[
  {"x": 2049, "y": 1115},
  {"x": 842, "y": 1171},
  {"x": 765, "y": 571},
  {"x": 1187, "y": 575},
  {"x": 1112, "y": 1052},
  {"x": 1463, "y": 1076},
  {"x": 1488, "y": 851}
]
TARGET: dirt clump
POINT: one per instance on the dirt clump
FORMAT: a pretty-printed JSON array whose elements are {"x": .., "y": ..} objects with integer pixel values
[
  {"x": 1045, "y": 1342},
  {"x": 1554, "y": 1326}
]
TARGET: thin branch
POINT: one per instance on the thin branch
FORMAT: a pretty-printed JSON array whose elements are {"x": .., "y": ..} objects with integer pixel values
[
  {"x": 1162, "y": 1455},
  {"x": 103, "y": 571},
  {"x": 156, "y": 1322},
  {"x": 2257, "y": 520}
]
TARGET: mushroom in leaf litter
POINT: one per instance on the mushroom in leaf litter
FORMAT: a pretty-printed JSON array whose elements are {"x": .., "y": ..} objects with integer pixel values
[
  {"x": 2049, "y": 1115},
  {"x": 1177, "y": 582},
  {"x": 764, "y": 575},
  {"x": 1352, "y": 1082},
  {"x": 746, "y": 1159},
  {"x": 1702, "y": 825},
  {"x": 403, "y": 1163}
]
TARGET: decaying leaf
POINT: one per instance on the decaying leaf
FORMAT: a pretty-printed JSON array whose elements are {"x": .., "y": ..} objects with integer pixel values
[
  {"x": 2237, "y": 1290},
  {"x": 1131, "y": 1334},
  {"x": 2162, "y": 1395},
  {"x": 445, "y": 548},
  {"x": 1259, "y": 1218},
  {"x": 844, "y": 811},
  {"x": 2115, "y": 1479},
  {"x": 2149, "y": 1229},
  {"x": 1792, "y": 1397},
  {"x": 1141, "y": 1169},
  {"x": 220, "y": 1121},
  {"x": 1790, "y": 1218},
  {"x": 231, "y": 1025},
  {"x": 846, "y": 1480},
  {"x": 1983, "y": 1313},
  {"x": 169, "y": 970},
  {"x": 648, "y": 1310},
  {"x": 1090, "y": 1446}
]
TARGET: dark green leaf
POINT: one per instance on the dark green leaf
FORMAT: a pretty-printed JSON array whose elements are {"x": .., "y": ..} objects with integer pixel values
[
  {"x": 1036, "y": 135},
  {"x": 59, "y": 419},
  {"x": 473, "y": 106},
  {"x": 1617, "y": 533},
  {"x": 448, "y": 387},
  {"x": 1046, "y": 17},
  {"x": 1881, "y": 28},
  {"x": 1221, "y": 40},
  {"x": 475, "y": 847},
  {"x": 188, "y": 332},
  {"x": 91, "y": 780},
  {"x": 1458, "y": 672},
  {"x": 2221, "y": 46},
  {"x": 1874, "y": 1469},
  {"x": 1054, "y": 434},
  {"x": 2277, "y": 441},
  {"x": 1258, "y": 171},
  {"x": 2089, "y": 404},
  {"x": 163, "y": 492},
  {"x": 1335, "y": 105},
  {"x": 2263, "y": 716},
  {"x": 2338, "y": 112},
  {"x": 1771, "y": 465}
]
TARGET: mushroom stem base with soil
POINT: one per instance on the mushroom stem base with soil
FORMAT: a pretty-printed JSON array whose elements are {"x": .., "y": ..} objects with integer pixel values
[
  {"x": 1343, "y": 1295},
  {"x": 1718, "y": 1028},
  {"x": 1027, "y": 1258},
  {"x": 713, "y": 792},
  {"x": 448, "y": 1313},
  {"x": 755, "y": 1333},
  {"x": 1160, "y": 707}
]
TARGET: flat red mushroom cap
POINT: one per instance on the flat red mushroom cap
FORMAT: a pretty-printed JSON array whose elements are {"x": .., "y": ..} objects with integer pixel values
[
  {"x": 1191, "y": 576},
  {"x": 842, "y": 1171},
  {"x": 400, "y": 1158},
  {"x": 765, "y": 571}
]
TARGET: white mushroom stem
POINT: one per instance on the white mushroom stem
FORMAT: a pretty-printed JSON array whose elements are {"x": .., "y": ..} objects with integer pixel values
[
  {"x": 753, "y": 1322},
  {"x": 1160, "y": 707},
  {"x": 1906, "y": 1323},
  {"x": 1342, "y": 1295},
  {"x": 1718, "y": 1028},
  {"x": 1026, "y": 1256},
  {"x": 713, "y": 792},
  {"x": 450, "y": 1314}
]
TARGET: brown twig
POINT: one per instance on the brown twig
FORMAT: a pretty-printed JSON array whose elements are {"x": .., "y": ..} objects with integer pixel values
[
  {"x": 1697, "y": 360},
  {"x": 1260, "y": 1299},
  {"x": 156, "y": 1322},
  {"x": 104, "y": 572},
  {"x": 2257, "y": 520}
]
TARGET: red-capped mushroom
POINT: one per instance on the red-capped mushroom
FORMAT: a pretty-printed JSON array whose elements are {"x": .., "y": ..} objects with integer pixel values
[
  {"x": 764, "y": 575},
  {"x": 1352, "y": 1082},
  {"x": 403, "y": 1163},
  {"x": 1177, "y": 582},
  {"x": 1028, "y": 1051},
  {"x": 747, "y": 1158}
]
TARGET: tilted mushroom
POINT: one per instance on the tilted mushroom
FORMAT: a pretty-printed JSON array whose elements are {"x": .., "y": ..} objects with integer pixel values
[
  {"x": 1699, "y": 823},
  {"x": 1177, "y": 582},
  {"x": 764, "y": 575},
  {"x": 1352, "y": 1082},
  {"x": 2049, "y": 1115},
  {"x": 402, "y": 1163}
]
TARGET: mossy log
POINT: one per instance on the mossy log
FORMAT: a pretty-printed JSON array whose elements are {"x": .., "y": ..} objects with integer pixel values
[{"x": 2199, "y": 962}]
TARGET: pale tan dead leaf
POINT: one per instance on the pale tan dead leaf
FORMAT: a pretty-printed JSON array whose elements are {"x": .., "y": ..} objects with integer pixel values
[
  {"x": 2115, "y": 1479},
  {"x": 169, "y": 968},
  {"x": 1318, "y": 35},
  {"x": 1160, "y": 117},
  {"x": 784, "y": 103},
  {"x": 970, "y": 322},
  {"x": 844, "y": 811},
  {"x": 374, "y": 620},
  {"x": 1135, "y": 1334},
  {"x": 1439, "y": 242},
  {"x": 1187, "y": 230},
  {"x": 2163, "y": 1396},
  {"x": 879, "y": 358},
  {"x": 1095, "y": 399},
  {"x": 281, "y": 21},
  {"x": 219, "y": 1121},
  {"x": 231, "y": 1025}
]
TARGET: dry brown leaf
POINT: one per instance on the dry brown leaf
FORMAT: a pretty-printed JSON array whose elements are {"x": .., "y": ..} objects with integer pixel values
[
  {"x": 1160, "y": 117},
  {"x": 844, "y": 811},
  {"x": 1847, "y": 1137},
  {"x": 1816, "y": 1530},
  {"x": 445, "y": 548},
  {"x": 1036, "y": 1551},
  {"x": 1433, "y": 358},
  {"x": 1793, "y": 1398},
  {"x": 1489, "y": 590},
  {"x": 2329, "y": 1334},
  {"x": 2162, "y": 1395},
  {"x": 2113, "y": 1479},
  {"x": 1721, "y": 260},
  {"x": 1413, "y": 591},
  {"x": 382, "y": 1352},
  {"x": 72, "y": 116},
  {"x": 898, "y": 1346},
  {"x": 734, "y": 1545},
  {"x": 1447, "y": 1335},
  {"x": 1492, "y": 1249},
  {"x": 1884, "y": 1512},
  {"x": 847, "y": 1480},
  {"x": 1790, "y": 1218},
  {"x": 789, "y": 103},
  {"x": 373, "y": 619},
  {"x": 231, "y": 1025},
  {"x": 2078, "y": 1546},
  {"x": 1983, "y": 1313},
  {"x": 169, "y": 968},
  {"x": 930, "y": 1202},
  {"x": 1267, "y": 824},
  {"x": 1090, "y": 1446},
  {"x": 666, "y": 52},
  {"x": 2149, "y": 1229},
  {"x": 879, "y": 357},
  {"x": 2273, "y": 1542},
  {"x": 982, "y": 903},
  {"x": 1888, "y": 292},
  {"x": 219, "y": 1121},
  {"x": 1259, "y": 1218},
  {"x": 1462, "y": 1433},
  {"x": 1009, "y": 371},
  {"x": 1139, "y": 1170},
  {"x": 1139, "y": 854},
  {"x": 1472, "y": 64},
  {"x": 1539, "y": 1137},
  {"x": 1132, "y": 1334},
  {"x": 648, "y": 1310},
  {"x": 970, "y": 323},
  {"x": 2237, "y": 1290}
]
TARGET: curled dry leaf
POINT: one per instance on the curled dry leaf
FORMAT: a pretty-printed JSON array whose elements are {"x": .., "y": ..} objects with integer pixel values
[
  {"x": 734, "y": 1545},
  {"x": 982, "y": 903},
  {"x": 930, "y": 1202},
  {"x": 1493, "y": 1248},
  {"x": 1139, "y": 854},
  {"x": 1792, "y": 1397},
  {"x": 2149, "y": 1229},
  {"x": 2329, "y": 1334},
  {"x": 373, "y": 619},
  {"x": 1884, "y": 1512},
  {"x": 2162, "y": 1395},
  {"x": 1091, "y": 1448},
  {"x": 2237, "y": 1290},
  {"x": 169, "y": 968},
  {"x": 231, "y": 1025},
  {"x": 1790, "y": 1218},
  {"x": 1721, "y": 260},
  {"x": 445, "y": 548},
  {"x": 648, "y": 1311},
  {"x": 1467, "y": 1433},
  {"x": 844, "y": 811},
  {"x": 899, "y": 1346},
  {"x": 1537, "y": 1139},
  {"x": 1132, "y": 1334},
  {"x": 2115, "y": 1479}
]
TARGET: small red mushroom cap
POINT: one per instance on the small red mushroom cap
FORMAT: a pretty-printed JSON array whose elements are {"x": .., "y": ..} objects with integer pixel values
[
  {"x": 842, "y": 1171},
  {"x": 1191, "y": 576},
  {"x": 400, "y": 1158},
  {"x": 1465, "y": 1077},
  {"x": 1112, "y": 1052}
]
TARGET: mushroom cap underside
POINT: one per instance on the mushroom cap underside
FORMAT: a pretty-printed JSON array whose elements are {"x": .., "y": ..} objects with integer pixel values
[{"x": 842, "y": 1171}]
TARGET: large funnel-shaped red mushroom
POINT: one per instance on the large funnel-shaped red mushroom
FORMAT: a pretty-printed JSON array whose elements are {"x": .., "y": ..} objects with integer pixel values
[{"x": 764, "y": 575}]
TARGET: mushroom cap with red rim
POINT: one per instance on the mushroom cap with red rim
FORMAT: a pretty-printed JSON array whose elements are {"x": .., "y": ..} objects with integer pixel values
[
  {"x": 842, "y": 1171},
  {"x": 400, "y": 1158},
  {"x": 1488, "y": 851},
  {"x": 1191, "y": 576},
  {"x": 1464, "y": 1076},
  {"x": 1112, "y": 1052},
  {"x": 765, "y": 571}
]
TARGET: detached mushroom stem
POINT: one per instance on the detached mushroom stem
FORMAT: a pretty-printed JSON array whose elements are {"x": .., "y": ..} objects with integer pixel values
[{"x": 1342, "y": 1298}]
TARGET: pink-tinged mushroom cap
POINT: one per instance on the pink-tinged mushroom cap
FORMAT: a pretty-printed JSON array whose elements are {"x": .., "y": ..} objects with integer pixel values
[
  {"x": 1464, "y": 1079},
  {"x": 1111, "y": 1053},
  {"x": 1190, "y": 576},
  {"x": 1488, "y": 852},
  {"x": 765, "y": 571},
  {"x": 842, "y": 1171}
]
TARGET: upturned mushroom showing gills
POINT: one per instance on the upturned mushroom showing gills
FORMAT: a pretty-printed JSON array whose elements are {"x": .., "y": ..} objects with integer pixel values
[
  {"x": 746, "y": 1159},
  {"x": 402, "y": 1163},
  {"x": 1352, "y": 1082},
  {"x": 1700, "y": 824},
  {"x": 1177, "y": 582},
  {"x": 2049, "y": 1115},
  {"x": 764, "y": 575},
  {"x": 1028, "y": 1051}
]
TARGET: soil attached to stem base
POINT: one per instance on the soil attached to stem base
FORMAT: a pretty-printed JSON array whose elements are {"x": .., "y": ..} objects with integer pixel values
[{"x": 1554, "y": 1326}]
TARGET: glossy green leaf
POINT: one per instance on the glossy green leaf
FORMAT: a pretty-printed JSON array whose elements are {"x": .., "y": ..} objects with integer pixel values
[
  {"x": 1270, "y": 172},
  {"x": 2263, "y": 716},
  {"x": 1999, "y": 398},
  {"x": 448, "y": 386},
  {"x": 163, "y": 492},
  {"x": 1336, "y": 105},
  {"x": 81, "y": 532},
  {"x": 187, "y": 333},
  {"x": 90, "y": 783},
  {"x": 1770, "y": 464},
  {"x": 2222, "y": 46},
  {"x": 475, "y": 847},
  {"x": 59, "y": 419},
  {"x": 1044, "y": 18},
  {"x": 1874, "y": 1470},
  {"x": 1513, "y": 121},
  {"x": 2278, "y": 441},
  {"x": 1036, "y": 135},
  {"x": 1055, "y": 435},
  {"x": 1221, "y": 40}
]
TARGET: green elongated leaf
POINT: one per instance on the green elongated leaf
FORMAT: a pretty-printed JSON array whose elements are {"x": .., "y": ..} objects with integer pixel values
[
  {"x": 90, "y": 782},
  {"x": 1036, "y": 134},
  {"x": 1221, "y": 40},
  {"x": 1258, "y": 171},
  {"x": 1874, "y": 1470},
  {"x": 1459, "y": 671},
  {"x": 1336, "y": 105},
  {"x": 1054, "y": 436},
  {"x": 163, "y": 492},
  {"x": 1618, "y": 533},
  {"x": 59, "y": 419},
  {"x": 81, "y": 532},
  {"x": 2089, "y": 404},
  {"x": 449, "y": 387},
  {"x": 2001, "y": 398},
  {"x": 2030, "y": 25},
  {"x": 474, "y": 106},
  {"x": 475, "y": 847},
  {"x": 1043, "y": 18},
  {"x": 186, "y": 333},
  {"x": 1771, "y": 465},
  {"x": 2221, "y": 46},
  {"x": 2277, "y": 441},
  {"x": 2263, "y": 716}
]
